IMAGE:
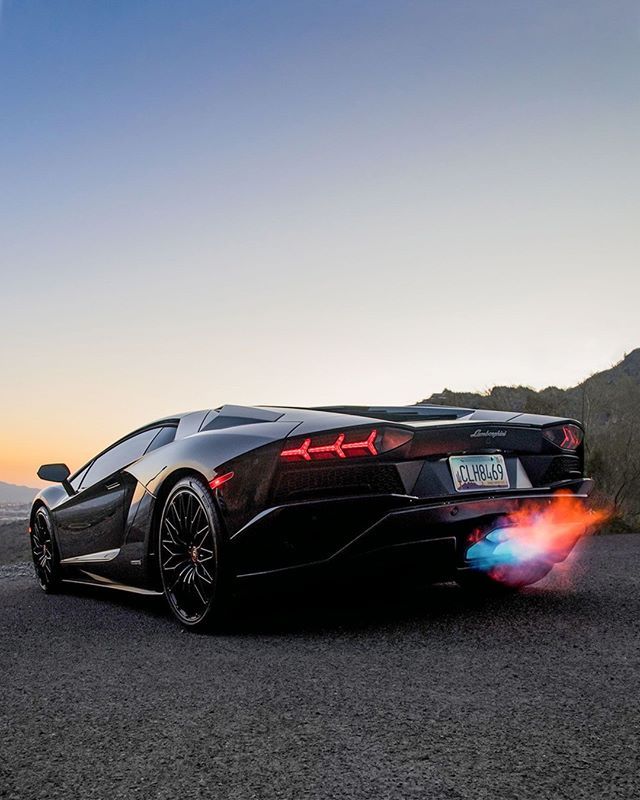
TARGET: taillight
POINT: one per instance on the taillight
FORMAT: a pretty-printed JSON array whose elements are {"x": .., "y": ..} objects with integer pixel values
[
  {"x": 343, "y": 445},
  {"x": 566, "y": 437}
]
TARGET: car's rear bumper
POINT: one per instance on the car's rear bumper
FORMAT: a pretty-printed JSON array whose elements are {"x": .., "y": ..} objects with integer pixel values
[{"x": 392, "y": 528}]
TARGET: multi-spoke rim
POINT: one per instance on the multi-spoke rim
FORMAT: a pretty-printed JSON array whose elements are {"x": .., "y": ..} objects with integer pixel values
[
  {"x": 42, "y": 548},
  {"x": 187, "y": 555}
]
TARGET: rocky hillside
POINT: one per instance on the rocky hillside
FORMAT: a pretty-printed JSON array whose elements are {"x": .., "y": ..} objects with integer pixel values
[{"x": 608, "y": 403}]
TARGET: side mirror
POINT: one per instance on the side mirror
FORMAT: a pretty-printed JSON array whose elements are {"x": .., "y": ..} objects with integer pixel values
[{"x": 56, "y": 473}]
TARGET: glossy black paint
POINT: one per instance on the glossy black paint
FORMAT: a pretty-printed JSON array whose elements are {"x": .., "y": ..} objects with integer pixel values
[{"x": 285, "y": 516}]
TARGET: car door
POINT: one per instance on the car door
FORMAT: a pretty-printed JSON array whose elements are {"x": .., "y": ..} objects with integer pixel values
[{"x": 91, "y": 522}]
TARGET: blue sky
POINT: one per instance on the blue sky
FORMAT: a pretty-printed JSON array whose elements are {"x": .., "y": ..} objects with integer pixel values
[{"x": 307, "y": 202}]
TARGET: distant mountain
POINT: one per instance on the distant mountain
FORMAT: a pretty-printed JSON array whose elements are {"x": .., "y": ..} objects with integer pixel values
[
  {"x": 608, "y": 403},
  {"x": 10, "y": 493}
]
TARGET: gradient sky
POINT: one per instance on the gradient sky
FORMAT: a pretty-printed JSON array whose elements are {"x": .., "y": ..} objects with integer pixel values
[{"x": 306, "y": 202}]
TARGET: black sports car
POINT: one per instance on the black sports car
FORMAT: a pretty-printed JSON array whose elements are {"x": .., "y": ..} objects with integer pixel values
[{"x": 193, "y": 505}]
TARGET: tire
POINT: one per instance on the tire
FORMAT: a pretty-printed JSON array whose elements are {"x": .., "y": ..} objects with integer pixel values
[
  {"x": 44, "y": 551},
  {"x": 192, "y": 556},
  {"x": 502, "y": 580}
]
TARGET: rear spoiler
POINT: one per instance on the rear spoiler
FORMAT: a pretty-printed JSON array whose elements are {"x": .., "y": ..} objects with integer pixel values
[{"x": 415, "y": 413}]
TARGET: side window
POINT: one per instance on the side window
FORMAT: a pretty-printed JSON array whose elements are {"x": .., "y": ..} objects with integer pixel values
[
  {"x": 118, "y": 457},
  {"x": 77, "y": 479},
  {"x": 164, "y": 436}
]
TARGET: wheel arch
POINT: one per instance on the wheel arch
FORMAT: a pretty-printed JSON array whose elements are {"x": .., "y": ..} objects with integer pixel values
[
  {"x": 34, "y": 510},
  {"x": 161, "y": 495},
  {"x": 39, "y": 503}
]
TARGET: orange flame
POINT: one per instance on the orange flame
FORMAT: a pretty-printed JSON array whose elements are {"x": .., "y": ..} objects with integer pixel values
[
  {"x": 523, "y": 546},
  {"x": 556, "y": 528}
]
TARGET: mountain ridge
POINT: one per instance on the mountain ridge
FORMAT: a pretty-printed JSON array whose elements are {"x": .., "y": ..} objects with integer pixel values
[
  {"x": 15, "y": 493},
  {"x": 522, "y": 398}
]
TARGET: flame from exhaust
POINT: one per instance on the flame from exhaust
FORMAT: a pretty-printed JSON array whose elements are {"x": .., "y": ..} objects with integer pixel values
[{"x": 522, "y": 546}]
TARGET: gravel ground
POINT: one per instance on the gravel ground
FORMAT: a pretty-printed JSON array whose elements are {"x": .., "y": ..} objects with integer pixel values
[
  {"x": 430, "y": 694},
  {"x": 14, "y": 541}
]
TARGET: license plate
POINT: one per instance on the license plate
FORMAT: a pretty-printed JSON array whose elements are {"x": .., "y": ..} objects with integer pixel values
[{"x": 471, "y": 473}]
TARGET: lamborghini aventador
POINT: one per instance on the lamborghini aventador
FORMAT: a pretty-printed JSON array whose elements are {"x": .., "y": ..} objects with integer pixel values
[{"x": 194, "y": 505}]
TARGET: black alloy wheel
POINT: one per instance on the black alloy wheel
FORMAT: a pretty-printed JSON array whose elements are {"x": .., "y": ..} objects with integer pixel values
[
  {"x": 44, "y": 552},
  {"x": 189, "y": 551}
]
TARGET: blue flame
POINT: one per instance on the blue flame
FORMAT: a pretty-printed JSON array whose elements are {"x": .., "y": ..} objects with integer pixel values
[{"x": 501, "y": 548}]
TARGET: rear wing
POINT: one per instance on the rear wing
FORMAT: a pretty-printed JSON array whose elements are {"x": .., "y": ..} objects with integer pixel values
[{"x": 417, "y": 413}]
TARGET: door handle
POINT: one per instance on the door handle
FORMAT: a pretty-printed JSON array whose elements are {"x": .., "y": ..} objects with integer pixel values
[{"x": 110, "y": 486}]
